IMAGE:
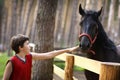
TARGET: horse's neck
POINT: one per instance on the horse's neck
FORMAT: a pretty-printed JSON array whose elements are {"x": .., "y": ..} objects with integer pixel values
[
  {"x": 104, "y": 51},
  {"x": 98, "y": 45},
  {"x": 118, "y": 49},
  {"x": 102, "y": 40},
  {"x": 104, "y": 48},
  {"x": 99, "y": 52}
]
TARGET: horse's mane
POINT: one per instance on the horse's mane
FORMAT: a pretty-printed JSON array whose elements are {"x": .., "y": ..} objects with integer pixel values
[{"x": 104, "y": 39}]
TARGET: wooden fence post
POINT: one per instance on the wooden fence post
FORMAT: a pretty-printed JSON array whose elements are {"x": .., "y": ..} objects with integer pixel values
[
  {"x": 69, "y": 64},
  {"x": 110, "y": 71}
]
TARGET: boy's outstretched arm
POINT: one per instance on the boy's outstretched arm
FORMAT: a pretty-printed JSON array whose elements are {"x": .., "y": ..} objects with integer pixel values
[{"x": 51, "y": 54}]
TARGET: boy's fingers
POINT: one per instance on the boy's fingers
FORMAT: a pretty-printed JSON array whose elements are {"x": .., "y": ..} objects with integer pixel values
[{"x": 74, "y": 48}]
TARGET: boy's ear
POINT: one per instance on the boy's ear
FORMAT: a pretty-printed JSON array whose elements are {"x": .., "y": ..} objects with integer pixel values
[{"x": 20, "y": 48}]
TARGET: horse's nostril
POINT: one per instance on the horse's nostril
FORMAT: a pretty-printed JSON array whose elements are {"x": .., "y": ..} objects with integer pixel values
[
  {"x": 84, "y": 46},
  {"x": 88, "y": 45},
  {"x": 80, "y": 46}
]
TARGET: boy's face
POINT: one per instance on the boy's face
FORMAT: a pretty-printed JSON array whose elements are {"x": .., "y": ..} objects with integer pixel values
[{"x": 26, "y": 47}]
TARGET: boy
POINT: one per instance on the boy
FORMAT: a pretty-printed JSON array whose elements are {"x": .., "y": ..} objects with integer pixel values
[{"x": 19, "y": 66}]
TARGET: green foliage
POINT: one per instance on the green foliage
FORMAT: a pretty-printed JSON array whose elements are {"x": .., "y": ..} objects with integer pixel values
[
  {"x": 3, "y": 60},
  {"x": 1, "y": 2},
  {"x": 61, "y": 64},
  {"x": 76, "y": 68}
]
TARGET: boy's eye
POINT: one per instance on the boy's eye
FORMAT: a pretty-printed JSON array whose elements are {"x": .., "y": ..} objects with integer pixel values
[{"x": 27, "y": 42}]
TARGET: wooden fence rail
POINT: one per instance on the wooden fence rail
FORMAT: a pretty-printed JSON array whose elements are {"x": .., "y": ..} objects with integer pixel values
[{"x": 106, "y": 70}]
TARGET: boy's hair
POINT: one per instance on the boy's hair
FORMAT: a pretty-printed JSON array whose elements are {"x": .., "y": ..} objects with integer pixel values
[{"x": 18, "y": 41}]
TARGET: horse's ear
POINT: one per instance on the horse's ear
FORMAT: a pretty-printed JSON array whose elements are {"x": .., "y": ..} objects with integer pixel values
[
  {"x": 81, "y": 11},
  {"x": 99, "y": 12}
]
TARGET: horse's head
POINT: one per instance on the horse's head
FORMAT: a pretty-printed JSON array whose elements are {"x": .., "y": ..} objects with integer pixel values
[{"x": 89, "y": 28}]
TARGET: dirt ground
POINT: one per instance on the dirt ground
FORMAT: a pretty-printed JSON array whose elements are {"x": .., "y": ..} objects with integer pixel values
[{"x": 77, "y": 74}]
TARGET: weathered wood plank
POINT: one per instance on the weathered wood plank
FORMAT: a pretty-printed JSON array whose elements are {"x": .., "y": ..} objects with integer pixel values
[{"x": 89, "y": 64}]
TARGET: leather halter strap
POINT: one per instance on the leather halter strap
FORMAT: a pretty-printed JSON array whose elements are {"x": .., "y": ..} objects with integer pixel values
[{"x": 90, "y": 39}]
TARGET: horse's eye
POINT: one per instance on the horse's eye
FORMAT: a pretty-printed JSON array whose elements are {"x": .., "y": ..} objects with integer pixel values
[{"x": 95, "y": 29}]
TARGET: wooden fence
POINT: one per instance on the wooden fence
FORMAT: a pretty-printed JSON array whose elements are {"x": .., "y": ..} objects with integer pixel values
[{"x": 106, "y": 70}]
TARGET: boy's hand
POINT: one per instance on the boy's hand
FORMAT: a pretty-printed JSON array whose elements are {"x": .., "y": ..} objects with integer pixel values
[{"x": 73, "y": 48}]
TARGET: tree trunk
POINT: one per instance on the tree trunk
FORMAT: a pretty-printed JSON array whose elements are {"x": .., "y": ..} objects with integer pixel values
[
  {"x": 8, "y": 24},
  {"x": 3, "y": 25},
  {"x": 111, "y": 16},
  {"x": 119, "y": 19},
  {"x": 1, "y": 6},
  {"x": 25, "y": 15},
  {"x": 43, "y": 70},
  {"x": 18, "y": 15},
  {"x": 59, "y": 23},
  {"x": 73, "y": 33},
  {"x": 67, "y": 23},
  {"x": 32, "y": 17},
  {"x": 105, "y": 13}
]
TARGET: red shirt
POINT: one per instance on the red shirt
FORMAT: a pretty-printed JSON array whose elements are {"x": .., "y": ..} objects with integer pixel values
[{"x": 21, "y": 70}]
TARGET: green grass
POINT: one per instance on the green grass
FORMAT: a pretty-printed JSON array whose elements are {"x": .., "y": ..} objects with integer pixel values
[
  {"x": 3, "y": 60},
  {"x": 61, "y": 64}
]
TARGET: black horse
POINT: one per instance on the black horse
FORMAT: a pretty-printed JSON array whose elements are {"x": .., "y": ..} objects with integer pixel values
[{"x": 94, "y": 40}]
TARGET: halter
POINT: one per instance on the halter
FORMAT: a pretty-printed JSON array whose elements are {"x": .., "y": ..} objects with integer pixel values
[{"x": 90, "y": 39}]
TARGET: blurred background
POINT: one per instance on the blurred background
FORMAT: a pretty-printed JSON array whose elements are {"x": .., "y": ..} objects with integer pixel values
[{"x": 21, "y": 17}]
